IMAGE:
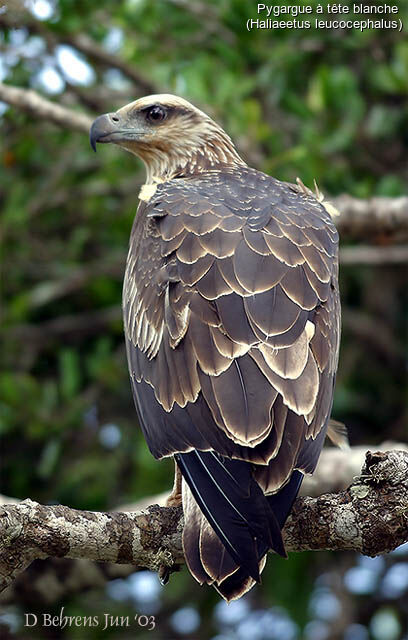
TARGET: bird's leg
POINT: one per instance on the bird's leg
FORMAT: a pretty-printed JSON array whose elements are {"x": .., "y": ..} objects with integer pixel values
[{"x": 174, "y": 499}]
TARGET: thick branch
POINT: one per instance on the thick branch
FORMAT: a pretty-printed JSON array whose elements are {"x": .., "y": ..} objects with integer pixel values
[
  {"x": 377, "y": 216},
  {"x": 338, "y": 468},
  {"x": 29, "y": 531},
  {"x": 371, "y": 517}
]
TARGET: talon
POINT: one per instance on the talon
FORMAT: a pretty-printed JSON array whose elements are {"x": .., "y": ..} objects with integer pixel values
[{"x": 164, "y": 574}]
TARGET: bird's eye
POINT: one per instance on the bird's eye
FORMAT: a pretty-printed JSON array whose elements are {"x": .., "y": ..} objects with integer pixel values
[{"x": 156, "y": 114}]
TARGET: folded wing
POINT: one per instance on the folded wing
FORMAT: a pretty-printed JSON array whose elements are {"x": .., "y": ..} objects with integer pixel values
[{"x": 232, "y": 318}]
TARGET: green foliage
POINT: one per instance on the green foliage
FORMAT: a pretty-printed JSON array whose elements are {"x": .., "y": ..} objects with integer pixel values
[{"x": 314, "y": 104}]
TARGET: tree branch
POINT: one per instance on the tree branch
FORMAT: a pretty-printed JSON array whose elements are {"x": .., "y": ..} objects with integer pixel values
[
  {"x": 81, "y": 324},
  {"x": 371, "y": 517},
  {"x": 93, "y": 50},
  {"x": 338, "y": 468},
  {"x": 374, "y": 255},
  {"x": 83, "y": 43},
  {"x": 32, "y": 102},
  {"x": 335, "y": 471},
  {"x": 30, "y": 530},
  {"x": 376, "y": 218}
]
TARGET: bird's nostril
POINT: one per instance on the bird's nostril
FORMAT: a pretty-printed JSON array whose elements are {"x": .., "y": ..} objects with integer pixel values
[{"x": 114, "y": 118}]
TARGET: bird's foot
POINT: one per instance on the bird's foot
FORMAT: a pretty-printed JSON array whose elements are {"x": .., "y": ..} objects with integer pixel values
[{"x": 174, "y": 500}]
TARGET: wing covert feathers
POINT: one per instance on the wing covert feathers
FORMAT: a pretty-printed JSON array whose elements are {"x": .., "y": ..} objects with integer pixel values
[{"x": 232, "y": 323}]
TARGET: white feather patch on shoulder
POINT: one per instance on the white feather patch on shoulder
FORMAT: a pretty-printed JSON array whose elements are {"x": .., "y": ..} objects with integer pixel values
[{"x": 147, "y": 191}]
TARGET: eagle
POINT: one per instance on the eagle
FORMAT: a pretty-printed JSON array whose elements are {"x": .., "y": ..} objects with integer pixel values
[{"x": 232, "y": 321}]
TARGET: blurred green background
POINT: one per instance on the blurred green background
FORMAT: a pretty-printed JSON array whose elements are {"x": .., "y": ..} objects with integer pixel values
[{"x": 330, "y": 105}]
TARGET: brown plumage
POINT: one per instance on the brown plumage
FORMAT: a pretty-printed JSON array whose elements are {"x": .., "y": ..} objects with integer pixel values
[{"x": 232, "y": 321}]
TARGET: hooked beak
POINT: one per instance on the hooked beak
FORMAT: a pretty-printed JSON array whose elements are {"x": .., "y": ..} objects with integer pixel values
[
  {"x": 101, "y": 128},
  {"x": 109, "y": 128}
]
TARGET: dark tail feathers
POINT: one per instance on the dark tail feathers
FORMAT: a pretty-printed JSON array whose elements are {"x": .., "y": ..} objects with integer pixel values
[{"x": 246, "y": 522}]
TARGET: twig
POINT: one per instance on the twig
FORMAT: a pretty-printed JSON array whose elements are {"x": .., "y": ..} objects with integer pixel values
[
  {"x": 49, "y": 290},
  {"x": 370, "y": 517}
]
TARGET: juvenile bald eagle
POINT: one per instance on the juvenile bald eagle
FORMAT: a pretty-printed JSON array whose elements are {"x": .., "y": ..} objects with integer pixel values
[{"x": 231, "y": 314}]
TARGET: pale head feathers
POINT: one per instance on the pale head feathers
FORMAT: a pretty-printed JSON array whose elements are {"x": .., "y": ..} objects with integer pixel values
[{"x": 185, "y": 141}]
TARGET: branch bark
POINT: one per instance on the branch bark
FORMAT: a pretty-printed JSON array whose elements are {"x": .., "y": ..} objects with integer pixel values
[
  {"x": 29, "y": 531},
  {"x": 338, "y": 468},
  {"x": 371, "y": 517}
]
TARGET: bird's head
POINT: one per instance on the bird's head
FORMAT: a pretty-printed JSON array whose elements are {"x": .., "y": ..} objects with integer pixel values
[{"x": 168, "y": 133}]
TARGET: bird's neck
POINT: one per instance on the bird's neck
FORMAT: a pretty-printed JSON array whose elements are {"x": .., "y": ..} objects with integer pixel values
[{"x": 186, "y": 158}]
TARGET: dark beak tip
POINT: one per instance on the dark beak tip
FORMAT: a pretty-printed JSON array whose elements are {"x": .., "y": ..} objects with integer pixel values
[
  {"x": 99, "y": 128},
  {"x": 93, "y": 143}
]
